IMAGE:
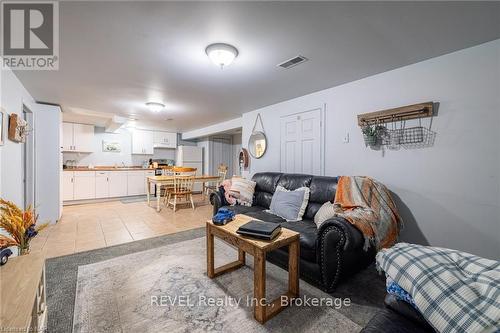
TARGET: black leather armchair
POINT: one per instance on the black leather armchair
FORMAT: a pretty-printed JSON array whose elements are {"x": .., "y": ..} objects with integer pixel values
[{"x": 328, "y": 254}]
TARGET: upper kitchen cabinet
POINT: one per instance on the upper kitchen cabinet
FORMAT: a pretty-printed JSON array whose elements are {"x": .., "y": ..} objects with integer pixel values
[
  {"x": 78, "y": 137},
  {"x": 164, "y": 139},
  {"x": 142, "y": 142}
]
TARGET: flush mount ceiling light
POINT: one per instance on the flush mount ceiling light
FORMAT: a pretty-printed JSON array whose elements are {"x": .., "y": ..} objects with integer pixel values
[
  {"x": 221, "y": 54},
  {"x": 155, "y": 106}
]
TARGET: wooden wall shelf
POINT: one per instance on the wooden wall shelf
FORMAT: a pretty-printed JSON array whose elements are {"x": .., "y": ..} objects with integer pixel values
[{"x": 397, "y": 114}]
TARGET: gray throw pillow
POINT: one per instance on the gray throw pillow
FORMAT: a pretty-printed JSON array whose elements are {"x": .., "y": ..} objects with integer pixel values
[{"x": 290, "y": 205}]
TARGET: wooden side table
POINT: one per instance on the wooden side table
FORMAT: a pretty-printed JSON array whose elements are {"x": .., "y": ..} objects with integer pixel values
[
  {"x": 263, "y": 311},
  {"x": 23, "y": 307}
]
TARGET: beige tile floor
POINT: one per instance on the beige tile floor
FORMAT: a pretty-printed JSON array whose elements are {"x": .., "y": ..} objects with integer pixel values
[{"x": 91, "y": 226}]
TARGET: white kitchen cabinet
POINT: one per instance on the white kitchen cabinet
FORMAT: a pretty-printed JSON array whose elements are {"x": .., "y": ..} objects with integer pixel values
[
  {"x": 85, "y": 185},
  {"x": 84, "y": 182},
  {"x": 136, "y": 183},
  {"x": 68, "y": 185},
  {"x": 164, "y": 139},
  {"x": 117, "y": 183},
  {"x": 84, "y": 137},
  {"x": 78, "y": 137},
  {"x": 142, "y": 142},
  {"x": 67, "y": 136},
  {"x": 101, "y": 184}
]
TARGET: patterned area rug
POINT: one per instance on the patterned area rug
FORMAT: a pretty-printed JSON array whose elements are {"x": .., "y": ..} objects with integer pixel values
[{"x": 166, "y": 290}]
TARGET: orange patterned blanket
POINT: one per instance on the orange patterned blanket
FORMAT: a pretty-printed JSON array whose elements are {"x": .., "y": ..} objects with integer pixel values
[{"x": 368, "y": 205}]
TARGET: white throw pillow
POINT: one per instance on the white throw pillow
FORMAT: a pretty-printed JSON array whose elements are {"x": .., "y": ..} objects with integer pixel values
[
  {"x": 243, "y": 189},
  {"x": 326, "y": 212}
]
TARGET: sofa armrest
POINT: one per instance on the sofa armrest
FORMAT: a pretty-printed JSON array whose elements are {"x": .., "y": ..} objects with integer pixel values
[
  {"x": 338, "y": 248},
  {"x": 346, "y": 232},
  {"x": 216, "y": 200}
]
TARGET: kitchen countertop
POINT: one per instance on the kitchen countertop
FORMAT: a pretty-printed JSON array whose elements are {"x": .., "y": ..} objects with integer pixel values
[{"x": 103, "y": 168}]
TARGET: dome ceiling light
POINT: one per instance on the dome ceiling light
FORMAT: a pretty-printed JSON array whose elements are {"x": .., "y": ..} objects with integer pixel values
[
  {"x": 155, "y": 106},
  {"x": 221, "y": 54}
]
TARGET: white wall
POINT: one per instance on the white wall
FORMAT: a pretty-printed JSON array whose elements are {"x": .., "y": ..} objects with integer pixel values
[
  {"x": 448, "y": 194},
  {"x": 124, "y": 137},
  {"x": 12, "y": 97}
]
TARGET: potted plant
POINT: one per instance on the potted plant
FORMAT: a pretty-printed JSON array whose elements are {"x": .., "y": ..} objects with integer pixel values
[
  {"x": 371, "y": 134},
  {"x": 20, "y": 225}
]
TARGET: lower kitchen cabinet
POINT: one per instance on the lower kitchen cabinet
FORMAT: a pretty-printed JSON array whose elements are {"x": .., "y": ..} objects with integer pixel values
[
  {"x": 84, "y": 185},
  {"x": 68, "y": 185},
  {"x": 101, "y": 184},
  {"x": 136, "y": 183},
  {"x": 117, "y": 184}
]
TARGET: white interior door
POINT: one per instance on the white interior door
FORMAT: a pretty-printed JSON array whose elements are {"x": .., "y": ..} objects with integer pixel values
[{"x": 301, "y": 143}]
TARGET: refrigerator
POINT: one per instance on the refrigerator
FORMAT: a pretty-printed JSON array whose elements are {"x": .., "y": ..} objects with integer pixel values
[{"x": 191, "y": 157}]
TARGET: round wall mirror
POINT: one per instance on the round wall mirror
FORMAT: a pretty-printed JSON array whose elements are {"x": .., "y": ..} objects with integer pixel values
[{"x": 257, "y": 144}]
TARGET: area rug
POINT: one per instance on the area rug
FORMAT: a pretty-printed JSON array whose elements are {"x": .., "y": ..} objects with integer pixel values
[{"x": 166, "y": 289}]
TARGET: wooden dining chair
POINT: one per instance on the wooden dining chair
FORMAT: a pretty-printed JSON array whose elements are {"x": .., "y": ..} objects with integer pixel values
[
  {"x": 182, "y": 187},
  {"x": 222, "y": 172}
]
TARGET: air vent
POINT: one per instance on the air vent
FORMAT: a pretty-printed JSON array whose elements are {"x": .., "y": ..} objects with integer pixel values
[{"x": 292, "y": 62}]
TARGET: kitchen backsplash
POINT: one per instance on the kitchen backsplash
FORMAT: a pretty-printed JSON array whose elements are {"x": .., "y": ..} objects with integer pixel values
[{"x": 124, "y": 139}]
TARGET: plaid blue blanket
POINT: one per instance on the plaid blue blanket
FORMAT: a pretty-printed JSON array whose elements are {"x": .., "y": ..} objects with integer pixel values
[{"x": 455, "y": 291}]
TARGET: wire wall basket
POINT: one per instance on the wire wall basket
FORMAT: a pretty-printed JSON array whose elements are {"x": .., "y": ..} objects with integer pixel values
[{"x": 394, "y": 135}]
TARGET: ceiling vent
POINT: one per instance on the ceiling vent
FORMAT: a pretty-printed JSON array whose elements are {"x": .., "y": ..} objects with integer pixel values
[{"x": 292, "y": 62}]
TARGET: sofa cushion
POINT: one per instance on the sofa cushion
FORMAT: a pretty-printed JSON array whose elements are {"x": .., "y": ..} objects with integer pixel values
[
  {"x": 263, "y": 199},
  {"x": 292, "y": 181},
  {"x": 265, "y": 187},
  {"x": 322, "y": 190},
  {"x": 290, "y": 205},
  {"x": 239, "y": 209},
  {"x": 308, "y": 235},
  {"x": 243, "y": 190},
  {"x": 266, "y": 181},
  {"x": 264, "y": 216},
  {"x": 326, "y": 212}
]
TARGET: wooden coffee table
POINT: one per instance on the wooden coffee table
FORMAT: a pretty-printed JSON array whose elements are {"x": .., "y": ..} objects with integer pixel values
[{"x": 263, "y": 310}]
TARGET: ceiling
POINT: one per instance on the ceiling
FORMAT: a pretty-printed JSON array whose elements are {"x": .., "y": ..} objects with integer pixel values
[{"x": 115, "y": 56}]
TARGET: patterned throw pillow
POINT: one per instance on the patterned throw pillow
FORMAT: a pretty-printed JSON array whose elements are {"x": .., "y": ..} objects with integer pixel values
[
  {"x": 290, "y": 205},
  {"x": 242, "y": 189},
  {"x": 326, "y": 212}
]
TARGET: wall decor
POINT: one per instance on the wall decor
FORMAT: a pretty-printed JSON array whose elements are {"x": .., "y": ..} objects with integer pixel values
[
  {"x": 3, "y": 121},
  {"x": 243, "y": 159},
  {"x": 257, "y": 143},
  {"x": 18, "y": 128},
  {"x": 377, "y": 133},
  {"x": 111, "y": 147}
]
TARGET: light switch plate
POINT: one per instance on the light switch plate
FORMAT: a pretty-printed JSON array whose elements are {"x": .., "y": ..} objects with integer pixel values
[{"x": 346, "y": 138}]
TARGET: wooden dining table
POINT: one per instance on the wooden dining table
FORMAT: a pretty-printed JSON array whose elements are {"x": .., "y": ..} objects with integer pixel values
[{"x": 160, "y": 181}]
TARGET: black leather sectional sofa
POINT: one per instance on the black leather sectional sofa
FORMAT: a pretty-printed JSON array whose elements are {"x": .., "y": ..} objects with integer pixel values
[
  {"x": 328, "y": 254},
  {"x": 397, "y": 317}
]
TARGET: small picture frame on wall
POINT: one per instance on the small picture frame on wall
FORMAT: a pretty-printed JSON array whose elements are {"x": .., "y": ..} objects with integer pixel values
[
  {"x": 3, "y": 121},
  {"x": 111, "y": 147}
]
